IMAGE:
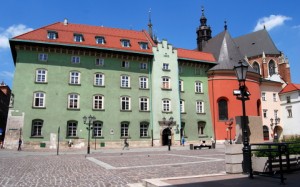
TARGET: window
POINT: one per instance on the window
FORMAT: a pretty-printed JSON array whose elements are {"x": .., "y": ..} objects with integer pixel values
[
  {"x": 43, "y": 57},
  {"x": 39, "y": 99},
  {"x": 125, "y": 103},
  {"x": 74, "y": 77},
  {"x": 201, "y": 127},
  {"x": 72, "y": 129},
  {"x": 78, "y": 37},
  {"x": 143, "y": 65},
  {"x": 75, "y": 59},
  {"x": 271, "y": 67},
  {"x": 197, "y": 71},
  {"x": 144, "y": 104},
  {"x": 200, "y": 107},
  {"x": 124, "y": 129},
  {"x": 99, "y": 62},
  {"x": 125, "y": 81},
  {"x": 265, "y": 113},
  {"x": 166, "y": 105},
  {"x": 198, "y": 87},
  {"x": 180, "y": 69},
  {"x": 266, "y": 132},
  {"x": 165, "y": 66},
  {"x": 290, "y": 113},
  {"x": 275, "y": 114},
  {"x": 97, "y": 129},
  {"x": 223, "y": 109},
  {"x": 125, "y": 64},
  {"x": 41, "y": 76},
  {"x": 182, "y": 109},
  {"x": 144, "y": 129},
  {"x": 256, "y": 67},
  {"x": 99, "y": 79},
  {"x": 37, "y": 128},
  {"x": 181, "y": 85},
  {"x": 73, "y": 101},
  {"x": 143, "y": 82},
  {"x": 263, "y": 96},
  {"x": 274, "y": 97},
  {"x": 288, "y": 99},
  {"x": 166, "y": 83},
  {"x": 144, "y": 45},
  {"x": 125, "y": 43},
  {"x": 98, "y": 102},
  {"x": 52, "y": 35},
  {"x": 100, "y": 40}
]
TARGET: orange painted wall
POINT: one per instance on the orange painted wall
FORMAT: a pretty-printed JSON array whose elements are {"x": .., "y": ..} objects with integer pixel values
[{"x": 222, "y": 87}]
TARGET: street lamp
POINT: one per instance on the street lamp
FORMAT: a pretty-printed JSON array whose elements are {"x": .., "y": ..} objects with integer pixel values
[
  {"x": 243, "y": 95},
  {"x": 229, "y": 123},
  {"x": 169, "y": 123},
  {"x": 90, "y": 119},
  {"x": 277, "y": 121}
]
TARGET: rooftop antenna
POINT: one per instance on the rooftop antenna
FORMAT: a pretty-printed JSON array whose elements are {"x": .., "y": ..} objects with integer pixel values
[{"x": 150, "y": 25}]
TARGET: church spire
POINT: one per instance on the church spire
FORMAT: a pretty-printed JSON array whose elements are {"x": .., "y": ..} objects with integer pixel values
[
  {"x": 203, "y": 32},
  {"x": 150, "y": 25}
]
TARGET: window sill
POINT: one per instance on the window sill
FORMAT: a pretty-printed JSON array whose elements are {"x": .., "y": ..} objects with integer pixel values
[
  {"x": 37, "y": 137},
  {"x": 125, "y": 87},
  {"x": 36, "y": 107},
  {"x": 203, "y": 113},
  {"x": 123, "y": 137},
  {"x": 98, "y": 109},
  {"x": 41, "y": 82},
  {"x": 203, "y": 136},
  {"x": 167, "y": 89},
  {"x": 166, "y": 69},
  {"x": 183, "y": 113},
  {"x": 125, "y": 110},
  {"x": 144, "y": 110},
  {"x": 70, "y": 84},
  {"x": 167, "y": 112},
  {"x": 72, "y": 137},
  {"x": 98, "y": 137},
  {"x": 76, "y": 109},
  {"x": 143, "y": 88},
  {"x": 100, "y": 86},
  {"x": 199, "y": 93},
  {"x": 145, "y": 137}
]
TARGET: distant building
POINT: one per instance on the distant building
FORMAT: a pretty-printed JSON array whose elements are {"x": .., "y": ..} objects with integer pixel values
[
  {"x": 136, "y": 87},
  {"x": 5, "y": 93}
]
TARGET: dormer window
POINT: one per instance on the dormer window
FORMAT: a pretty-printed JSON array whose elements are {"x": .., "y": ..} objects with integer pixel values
[
  {"x": 52, "y": 35},
  {"x": 143, "y": 45},
  {"x": 78, "y": 37},
  {"x": 125, "y": 43},
  {"x": 100, "y": 40}
]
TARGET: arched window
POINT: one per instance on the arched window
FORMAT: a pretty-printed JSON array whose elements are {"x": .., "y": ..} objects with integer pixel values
[
  {"x": 271, "y": 67},
  {"x": 266, "y": 132},
  {"x": 201, "y": 127},
  {"x": 256, "y": 67},
  {"x": 37, "y": 126},
  {"x": 223, "y": 109}
]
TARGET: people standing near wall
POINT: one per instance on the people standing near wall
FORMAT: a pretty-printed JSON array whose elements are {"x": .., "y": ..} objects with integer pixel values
[
  {"x": 182, "y": 141},
  {"x": 126, "y": 144},
  {"x": 20, "y": 144}
]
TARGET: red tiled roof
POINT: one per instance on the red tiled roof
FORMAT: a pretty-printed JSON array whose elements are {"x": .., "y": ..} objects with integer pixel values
[
  {"x": 195, "y": 55},
  {"x": 112, "y": 36},
  {"x": 289, "y": 88}
]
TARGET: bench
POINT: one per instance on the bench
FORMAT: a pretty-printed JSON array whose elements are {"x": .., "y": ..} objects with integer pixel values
[{"x": 202, "y": 146}]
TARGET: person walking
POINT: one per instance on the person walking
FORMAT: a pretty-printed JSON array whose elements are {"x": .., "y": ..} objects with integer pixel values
[
  {"x": 182, "y": 141},
  {"x": 20, "y": 144},
  {"x": 126, "y": 144}
]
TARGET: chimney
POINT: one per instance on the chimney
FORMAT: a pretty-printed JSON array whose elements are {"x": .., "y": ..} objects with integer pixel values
[{"x": 65, "y": 21}]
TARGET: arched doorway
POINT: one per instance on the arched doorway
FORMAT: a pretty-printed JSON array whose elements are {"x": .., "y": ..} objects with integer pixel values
[
  {"x": 165, "y": 136},
  {"x": 277, "y": 132}
]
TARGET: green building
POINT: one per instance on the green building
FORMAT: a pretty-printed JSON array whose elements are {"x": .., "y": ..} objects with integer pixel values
[{"x": 135, "y": 87}]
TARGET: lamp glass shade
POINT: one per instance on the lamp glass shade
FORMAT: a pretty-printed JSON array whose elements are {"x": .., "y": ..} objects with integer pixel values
[{"x": 241, "y": 71}]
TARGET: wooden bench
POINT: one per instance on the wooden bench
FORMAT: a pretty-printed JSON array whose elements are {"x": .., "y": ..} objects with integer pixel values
[{"x": 202, "y": 146}]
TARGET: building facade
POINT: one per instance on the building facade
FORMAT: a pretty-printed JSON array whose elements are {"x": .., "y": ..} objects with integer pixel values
[
  {"x": 124, "y": 78},
  {"x": 5, "y": 94}
]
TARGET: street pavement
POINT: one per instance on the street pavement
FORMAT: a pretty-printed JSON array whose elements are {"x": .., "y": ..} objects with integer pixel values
[{"x": 116, "y": 167}]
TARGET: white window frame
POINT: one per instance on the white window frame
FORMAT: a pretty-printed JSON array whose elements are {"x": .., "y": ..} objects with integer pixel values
[
  {"x": 72, "y": 128},
  {"x": 39, "y": 99},
  {"x": 125, "y": 103},
  {"x": 74, "y": 77},
  {"x": 274, "y": 97},
  {"x": 124, "y": 129},
  {"x": 182, "y": 106},
  {"x": 181, "y": 85},
  {"x": 52, "y": 35},
  {"x": 98, "y": 102},
  {"x": 41, "y": 76},
  {"x": 198, "y": 87},
  {"x": 100, "y": 40},
  {"x": 125, "y": 81},
  {"x": 200, "y": 107},
  {"x": 73, "y": 101},
  {"x": 166, "y": 66},
  {"x": 97, "y": 129},
  {"x": 275, "y": 114},
  {"x": 143, "y": 82},
  {"x": 144, "y": 129},
  {"x": 99, "y": 79},
  {"x": 37, "y": 126},
  {"x": 125, "y": 64},
  {"x": 78, "y": 37},
  {"x": 75, "y": 59},
  {"x": 43, "y": 57},
  {"x": 99, "y": 62},
  {"x": 144, "y": 104},
  {"x": 263, "y": 96},
  {"x": 125, "y": 43},
  {"x": 166, "y": 83},
  {"x": 166, "y": 105},
  {"x": 143, "y": 65},
  {"x": 144, "y": 45},
  {"x": 289, "y": 112},
  {"x": 265, "y": 113}
]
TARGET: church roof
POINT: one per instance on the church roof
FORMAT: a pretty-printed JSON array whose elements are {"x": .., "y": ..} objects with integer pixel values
[
  {"x": 256, "y": 43},
  {"x": 193, "y": 55}
]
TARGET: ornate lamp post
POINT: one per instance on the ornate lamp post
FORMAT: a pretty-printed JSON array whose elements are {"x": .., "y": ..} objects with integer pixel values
[
  {"x": 90, "y": 121},
  {"x": 169, "y": 123},
  {"x": 229, "y": 123},
  {"x": 277, "y": 121},
  {"x": 243, "y": 95}
]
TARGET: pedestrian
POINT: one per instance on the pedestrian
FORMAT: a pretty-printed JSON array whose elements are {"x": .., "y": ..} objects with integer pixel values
[
  {"x": 182, "y": 141},
  {"x": 20, "y": 143},
  {"x": 126, "y": 144},
  {"x": 1, "y": 145}
]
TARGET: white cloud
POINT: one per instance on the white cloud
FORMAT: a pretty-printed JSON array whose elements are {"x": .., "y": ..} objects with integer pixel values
[
  {"x": 6, "y": 74},
  {"x": 10, "y": 32},
  {"x": 271, "y": 22}
]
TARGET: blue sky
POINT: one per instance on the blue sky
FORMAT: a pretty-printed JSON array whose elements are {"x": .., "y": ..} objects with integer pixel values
[{"x": 174, "y": 20}]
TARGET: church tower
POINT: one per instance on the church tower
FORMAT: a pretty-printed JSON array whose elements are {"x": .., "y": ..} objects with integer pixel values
[{"x": 203, "y": 32}]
